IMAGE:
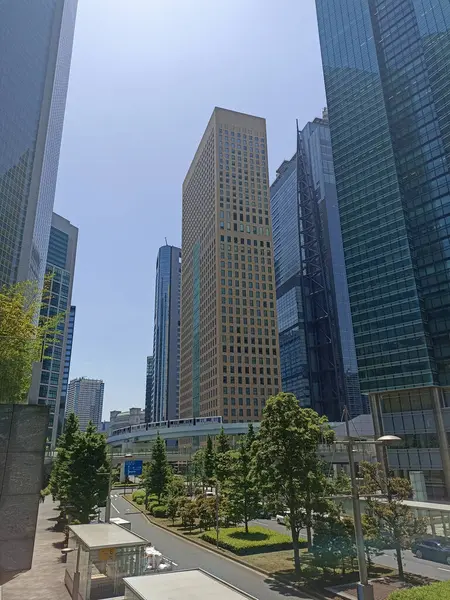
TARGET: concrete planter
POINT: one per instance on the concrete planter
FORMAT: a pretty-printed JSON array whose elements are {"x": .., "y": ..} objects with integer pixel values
[{"x": 23, "y": 431}]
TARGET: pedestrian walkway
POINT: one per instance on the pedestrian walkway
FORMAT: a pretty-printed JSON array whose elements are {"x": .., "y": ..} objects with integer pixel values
[{"x": 45, "y": 580}]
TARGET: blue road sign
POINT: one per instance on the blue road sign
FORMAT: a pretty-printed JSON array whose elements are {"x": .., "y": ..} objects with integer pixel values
[{"x": 133, "y": 467}]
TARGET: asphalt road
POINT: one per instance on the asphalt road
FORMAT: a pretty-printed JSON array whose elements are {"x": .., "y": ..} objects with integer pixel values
[
  {"x": 187, "y": 555},
  {"x": 411, "y": 564}
]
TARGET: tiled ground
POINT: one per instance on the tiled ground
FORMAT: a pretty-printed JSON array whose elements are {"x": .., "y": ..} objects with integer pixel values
[{"x": 45, "y": 580}]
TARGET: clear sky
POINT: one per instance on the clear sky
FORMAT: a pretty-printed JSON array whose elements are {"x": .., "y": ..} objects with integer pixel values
[{"x": 146, "y": 75}]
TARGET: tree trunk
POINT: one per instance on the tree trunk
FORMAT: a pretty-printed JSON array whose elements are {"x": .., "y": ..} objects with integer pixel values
[
  {"x": 246, "y": 524},
  {"x": 296, "y": 550},
  {"x": 309, "y": 537},
  {"x": 398, "y": 551}
]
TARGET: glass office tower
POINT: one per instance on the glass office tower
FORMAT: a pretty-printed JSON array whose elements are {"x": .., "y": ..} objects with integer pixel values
[
  {"x": 60, "y": 269},
  {"x": 149, "y": 390},
  {"x": 299, "y": 355},
  {"x": 35, "y": 53},
  {"x": 386, "y": 66},
  {"x": 166, "y": 336}
]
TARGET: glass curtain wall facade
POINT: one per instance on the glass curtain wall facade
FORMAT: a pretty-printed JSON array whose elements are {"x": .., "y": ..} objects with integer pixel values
[
  {"x": 297, "y": 354},
  {"x": 35, "y": 48},
  {"x": 386, "y": 65},
  {"x": 66, "y": 372},
  {"x": 85, "y": 399},
  {"x": 166, "y": 337},
  {"x": 60, "y": 270},
  {"x": 149, "y": 390}
]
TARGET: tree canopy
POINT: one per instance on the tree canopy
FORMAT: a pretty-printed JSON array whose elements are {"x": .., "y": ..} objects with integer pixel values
[
  {"x": 24, "y": 336},
  {"x": 287, "y": 464}
]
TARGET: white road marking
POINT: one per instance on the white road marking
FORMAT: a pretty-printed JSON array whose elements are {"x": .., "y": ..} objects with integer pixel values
[
  {"x": 441, "y": 569},
  {"x": 117, "y": 511}
]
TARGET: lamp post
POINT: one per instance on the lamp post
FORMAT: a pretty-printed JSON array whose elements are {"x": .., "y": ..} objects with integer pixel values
[{"x": 364, "y": 588}]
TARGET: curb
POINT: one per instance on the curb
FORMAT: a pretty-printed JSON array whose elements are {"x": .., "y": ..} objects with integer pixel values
[{"x": 287, "y": 584}]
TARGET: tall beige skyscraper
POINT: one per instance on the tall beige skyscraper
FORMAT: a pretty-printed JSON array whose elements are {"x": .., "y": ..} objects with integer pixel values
[{"x": 229, "y": 338}]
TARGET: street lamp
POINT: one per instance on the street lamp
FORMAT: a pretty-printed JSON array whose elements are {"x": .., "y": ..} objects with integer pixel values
[{"x": 364, "y": 588}]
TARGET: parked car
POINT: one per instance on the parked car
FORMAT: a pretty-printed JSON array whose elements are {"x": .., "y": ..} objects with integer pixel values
[
  {"x": 281, "y": 517},
  {"x": 432, "y": 550}
]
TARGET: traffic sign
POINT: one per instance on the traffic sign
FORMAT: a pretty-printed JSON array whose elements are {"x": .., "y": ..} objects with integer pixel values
[{"x": 133, "y": 467}]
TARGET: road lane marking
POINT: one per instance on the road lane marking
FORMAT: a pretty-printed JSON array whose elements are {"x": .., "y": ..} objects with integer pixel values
[
  {"x": 441, "y": 569},
  {"x": 117, "y": 511}
]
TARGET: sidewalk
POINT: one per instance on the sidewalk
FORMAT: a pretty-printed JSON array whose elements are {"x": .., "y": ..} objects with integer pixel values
[{"x": 45, "y": 580}]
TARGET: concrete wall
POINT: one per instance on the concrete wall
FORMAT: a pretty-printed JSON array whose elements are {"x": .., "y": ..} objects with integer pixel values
[{"x": 23, "y": 429}]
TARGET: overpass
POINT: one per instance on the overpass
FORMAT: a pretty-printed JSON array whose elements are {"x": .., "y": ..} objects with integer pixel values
[{"x": 134, "y": 439}]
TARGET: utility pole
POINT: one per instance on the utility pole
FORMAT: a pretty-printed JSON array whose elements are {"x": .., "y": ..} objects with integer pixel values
[{"x": 365, "y": 589}]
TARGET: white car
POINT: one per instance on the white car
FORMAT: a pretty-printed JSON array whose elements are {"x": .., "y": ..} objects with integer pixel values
[{"x": 281, "y": 517}]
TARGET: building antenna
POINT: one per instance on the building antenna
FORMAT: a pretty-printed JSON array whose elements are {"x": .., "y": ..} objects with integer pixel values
[{"x": 166, "y": 241}]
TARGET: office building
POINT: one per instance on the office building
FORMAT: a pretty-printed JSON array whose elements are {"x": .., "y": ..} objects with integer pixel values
[
  {"x": 66, "y": 372},
  {"x": 166, "y": 336},
  {"x": 229, "y": 335},
  {"x": 386, "y": 66},
  {"x": 35, "y": 48},
  {"x": 85, "y": 399},
  {"x": 320, "y": 370},
  {"x": 149, "y": 391},
  {"x": 121, "y": 419},
  {"x": 60, "y": 269}
]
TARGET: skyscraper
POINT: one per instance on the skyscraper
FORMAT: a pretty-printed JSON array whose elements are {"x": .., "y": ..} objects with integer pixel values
[
  {"x": 149, "y": 390},
  {"x": 322, "y": 373},
  {"x": 61, "y": 256},
  {"x": 386, "y": 66},
  {"x": 66, "y": 372},
  {"x": 35, "y": 48},
  {"x": 85, "y": 399},
  {"x": 229, "y": 337},
  {"x": 166, "y": 336}
]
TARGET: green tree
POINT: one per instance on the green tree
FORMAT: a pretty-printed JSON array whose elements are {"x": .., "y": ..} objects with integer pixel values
[
  {"x": 206, "y": 512},
  {"x": 334, "y": 541},
  {"x": 342, "y": 483},
  {"x": 60, "y": 474},
  {"x": 251, "y": 436},
  {"x": 241, "y": 485},
  {"x": 160, "y": 473},
  {"x": 397, "y": 520},
  {"x": 209, "y": 462},
  {"x": 188, "y": 513},
  {"x": 147, "y": 482},
  {"x": 287, "y": 466},
  {"x": 88, "y": 468},
  {"x": 176, "y": 486},
  {"x": 197, "y": 469},
  {"x": 23, "y": 337},
  {"x": 172, "y": 508},
  {"x": 373, "y": 541},
  {"x": 222, "y": 461}
]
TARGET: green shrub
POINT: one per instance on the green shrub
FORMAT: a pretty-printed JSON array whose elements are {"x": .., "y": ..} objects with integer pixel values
[
  {"x": 138, "y": 494},
  {"x": 139, "y": 500},
  {"x": 435, "y": 591},
  {"x": 259, "y": 539},
  {"x": 151, "y": 505},
  {"x": 160, "y": 511}
]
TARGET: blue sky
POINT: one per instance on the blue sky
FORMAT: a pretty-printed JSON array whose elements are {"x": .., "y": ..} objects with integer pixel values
[{"x": 146, "y": 75}]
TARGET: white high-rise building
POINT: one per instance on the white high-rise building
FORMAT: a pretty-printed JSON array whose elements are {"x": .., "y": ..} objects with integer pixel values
[{"x": 85, "y": 399}]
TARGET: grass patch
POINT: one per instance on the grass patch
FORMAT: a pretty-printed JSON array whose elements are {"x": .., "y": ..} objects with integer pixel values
[
  {"x": 257, "y": 540},
  {"x": 435, "y": 591}
]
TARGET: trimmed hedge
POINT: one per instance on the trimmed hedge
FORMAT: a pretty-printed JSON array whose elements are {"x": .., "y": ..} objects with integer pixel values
[
  {"x": 160, "y": 511},
  {"x": 435, "y": 591},
  {"x": 138, "y": 494},
  {"x": 258, "y": 539},
  {"x": 151, "y": 505},
  {"x": 139, "y": 500}
]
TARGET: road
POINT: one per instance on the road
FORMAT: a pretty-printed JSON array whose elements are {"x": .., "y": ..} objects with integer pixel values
[
  {"x": 187, "y": 555},
  {"x": 411, "y": 564}
]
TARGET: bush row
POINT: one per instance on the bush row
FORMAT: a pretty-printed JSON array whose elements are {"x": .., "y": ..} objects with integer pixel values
[
  {"x": 259, "y": 539},
  {"x": 435, "y": 591}
]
